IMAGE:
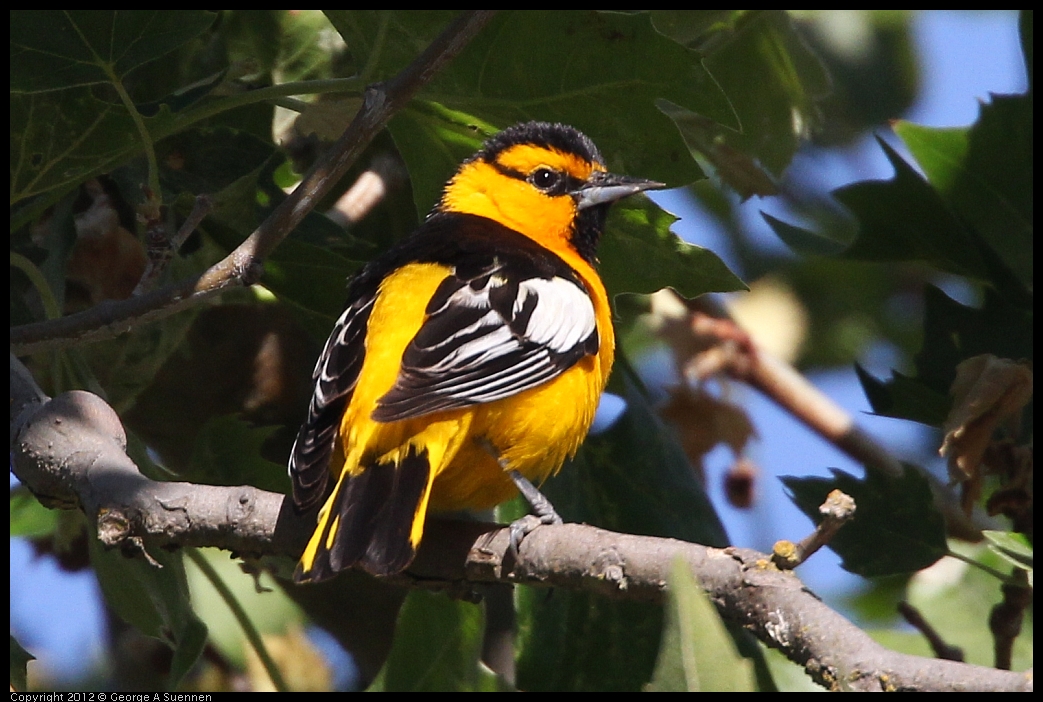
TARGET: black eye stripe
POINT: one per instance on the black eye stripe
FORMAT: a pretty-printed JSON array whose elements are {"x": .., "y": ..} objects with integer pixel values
[{"x": 565, "y": 182}]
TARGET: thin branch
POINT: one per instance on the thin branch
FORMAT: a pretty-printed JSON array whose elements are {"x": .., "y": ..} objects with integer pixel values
[
  {"x": 70, "y": 451},
  {"x": 740, "y": 358},
  {"x": 837, "y": 510},
  {"x": 161, "y": 247},
  {"x": 941, "y": 649},
  {"x": 244, "y": 265},
  {"x": 1007, "y": 616}
]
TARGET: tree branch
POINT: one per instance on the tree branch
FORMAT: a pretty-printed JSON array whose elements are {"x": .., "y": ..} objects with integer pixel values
[
  {"x": 738, "y": 356},
  {"x": 70, "y": 451},
  {"x": 244, "y": 265}
]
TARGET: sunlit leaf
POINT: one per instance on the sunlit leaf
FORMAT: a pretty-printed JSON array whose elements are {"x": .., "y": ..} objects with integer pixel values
[
  {"x": 1013, "y": 547},
  {"x": 640, "y": 254},
  {"x": 438, "y": 644},
  {"x": 697, "y": 654},
  {"x": 984, "y": 173}
]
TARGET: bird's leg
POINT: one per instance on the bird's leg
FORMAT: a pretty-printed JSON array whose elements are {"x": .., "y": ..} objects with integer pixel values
[{"x": 543, "y": 510}]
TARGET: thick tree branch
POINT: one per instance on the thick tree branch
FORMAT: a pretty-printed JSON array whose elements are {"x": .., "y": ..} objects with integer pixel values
[
  {"x": 243, "y": 266},
  {"x": 70, "y": 451}
]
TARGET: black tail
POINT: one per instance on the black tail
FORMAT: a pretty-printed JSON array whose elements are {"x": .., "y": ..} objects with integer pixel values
[{"x": 373, "y": 515}]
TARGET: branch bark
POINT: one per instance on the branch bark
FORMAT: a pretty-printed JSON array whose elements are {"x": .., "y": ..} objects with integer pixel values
[
  {"x": 244, "y": 265},
  {"x": 71, "y": 452}
]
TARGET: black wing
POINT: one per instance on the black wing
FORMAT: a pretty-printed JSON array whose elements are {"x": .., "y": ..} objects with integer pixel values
[
  {"x": 491, "y": 333},
  {"x": 336, "y": 373}
]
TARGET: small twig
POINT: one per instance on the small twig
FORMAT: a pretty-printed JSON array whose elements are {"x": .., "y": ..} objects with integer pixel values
[
  {"x": 837, "y": 510},
  {"x": 244, "y": 265},
  {"x": 942, "y": 650},
  {"x": 779, "y": 381},
  {"x": 161, "y": 247}
]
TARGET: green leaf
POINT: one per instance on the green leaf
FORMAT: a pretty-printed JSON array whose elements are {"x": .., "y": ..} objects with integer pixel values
[
  {"x": 1013, "y": 547},
  {"x": 221, "y": 162},
  {"x": 697, "y": 653},
  {"x": 65, "y": 126},
  {"x": 940, "y": 152},
  {"x": 984, "y": 174},
  {"x": 227, "y": 451},
  {"x": 958, "y": 599},
  {"x": 905, "y": 219},
  {"x": 772, "y": 81},
  {"x": 903, "y": 397},
  {"x": 154, "y": 598},
  {"x": 59, "y": 49},
  {"x": 600, "y": 72},
  {"x": 383, "y": 42},
  {"x": 19, "y": 659},
  {"x": 309, "y": 270},
  {"x": 60, "y": 139},
  {"x": 639, "y": 254},
  {"x": 694, "y": 29},
  {"x": 437, "y": 648},
  {"x": 896, "y": 528},
  {"x": 311, "y": 279},
  {"x": 29, "y": 518},
  {"x": 127, "y": 365},
  {"x": 268, "y": 606},
  {"x": 584, "y": 642},
  {"x": 634, "y": 477},
  {"x": 952, "y": 333},
  {"x": 955, "y": 332},
  {"x": 873, "y": 65},
  {"x": 804, "y": 241}
]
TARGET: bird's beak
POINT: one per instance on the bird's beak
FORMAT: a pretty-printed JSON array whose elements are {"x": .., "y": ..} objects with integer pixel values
[{"x": 603, "y": 188}]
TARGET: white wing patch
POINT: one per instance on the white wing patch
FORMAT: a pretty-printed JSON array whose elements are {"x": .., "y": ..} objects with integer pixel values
[
  {"x": 486, "y": 339},
  {"x": 564, "y": 314}
]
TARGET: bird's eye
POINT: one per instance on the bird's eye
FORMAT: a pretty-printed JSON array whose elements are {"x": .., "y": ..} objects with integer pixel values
[{"x": 545, "y": 179}]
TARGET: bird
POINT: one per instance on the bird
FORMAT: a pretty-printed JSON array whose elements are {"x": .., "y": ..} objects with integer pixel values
[{"x": 470, "y": 357}]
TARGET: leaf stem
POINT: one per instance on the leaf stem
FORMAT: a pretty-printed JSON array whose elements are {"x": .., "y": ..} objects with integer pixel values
[
  {"x": 36, "y": 277},
  {"x": 378, "y": 46},
  {"x": 146, "y": 139},
  {"x": 252, "y": 635},
  {"x": 304, "y": 87},
  {"x": 1002, "y": 577}
]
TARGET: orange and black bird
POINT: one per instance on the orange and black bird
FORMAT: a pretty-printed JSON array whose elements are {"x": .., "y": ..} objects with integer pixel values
[{"x": 470, "y": 357}]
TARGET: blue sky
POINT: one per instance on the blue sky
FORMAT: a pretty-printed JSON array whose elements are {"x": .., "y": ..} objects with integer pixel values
[{"x": 965, "y": 56}]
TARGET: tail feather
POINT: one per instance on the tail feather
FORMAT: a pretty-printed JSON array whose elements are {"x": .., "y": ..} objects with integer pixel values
[{"x": 372, "y": 516}]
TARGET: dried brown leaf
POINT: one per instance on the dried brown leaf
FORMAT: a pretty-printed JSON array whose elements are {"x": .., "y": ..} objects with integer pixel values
[{"x": 988, "y": 393}]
